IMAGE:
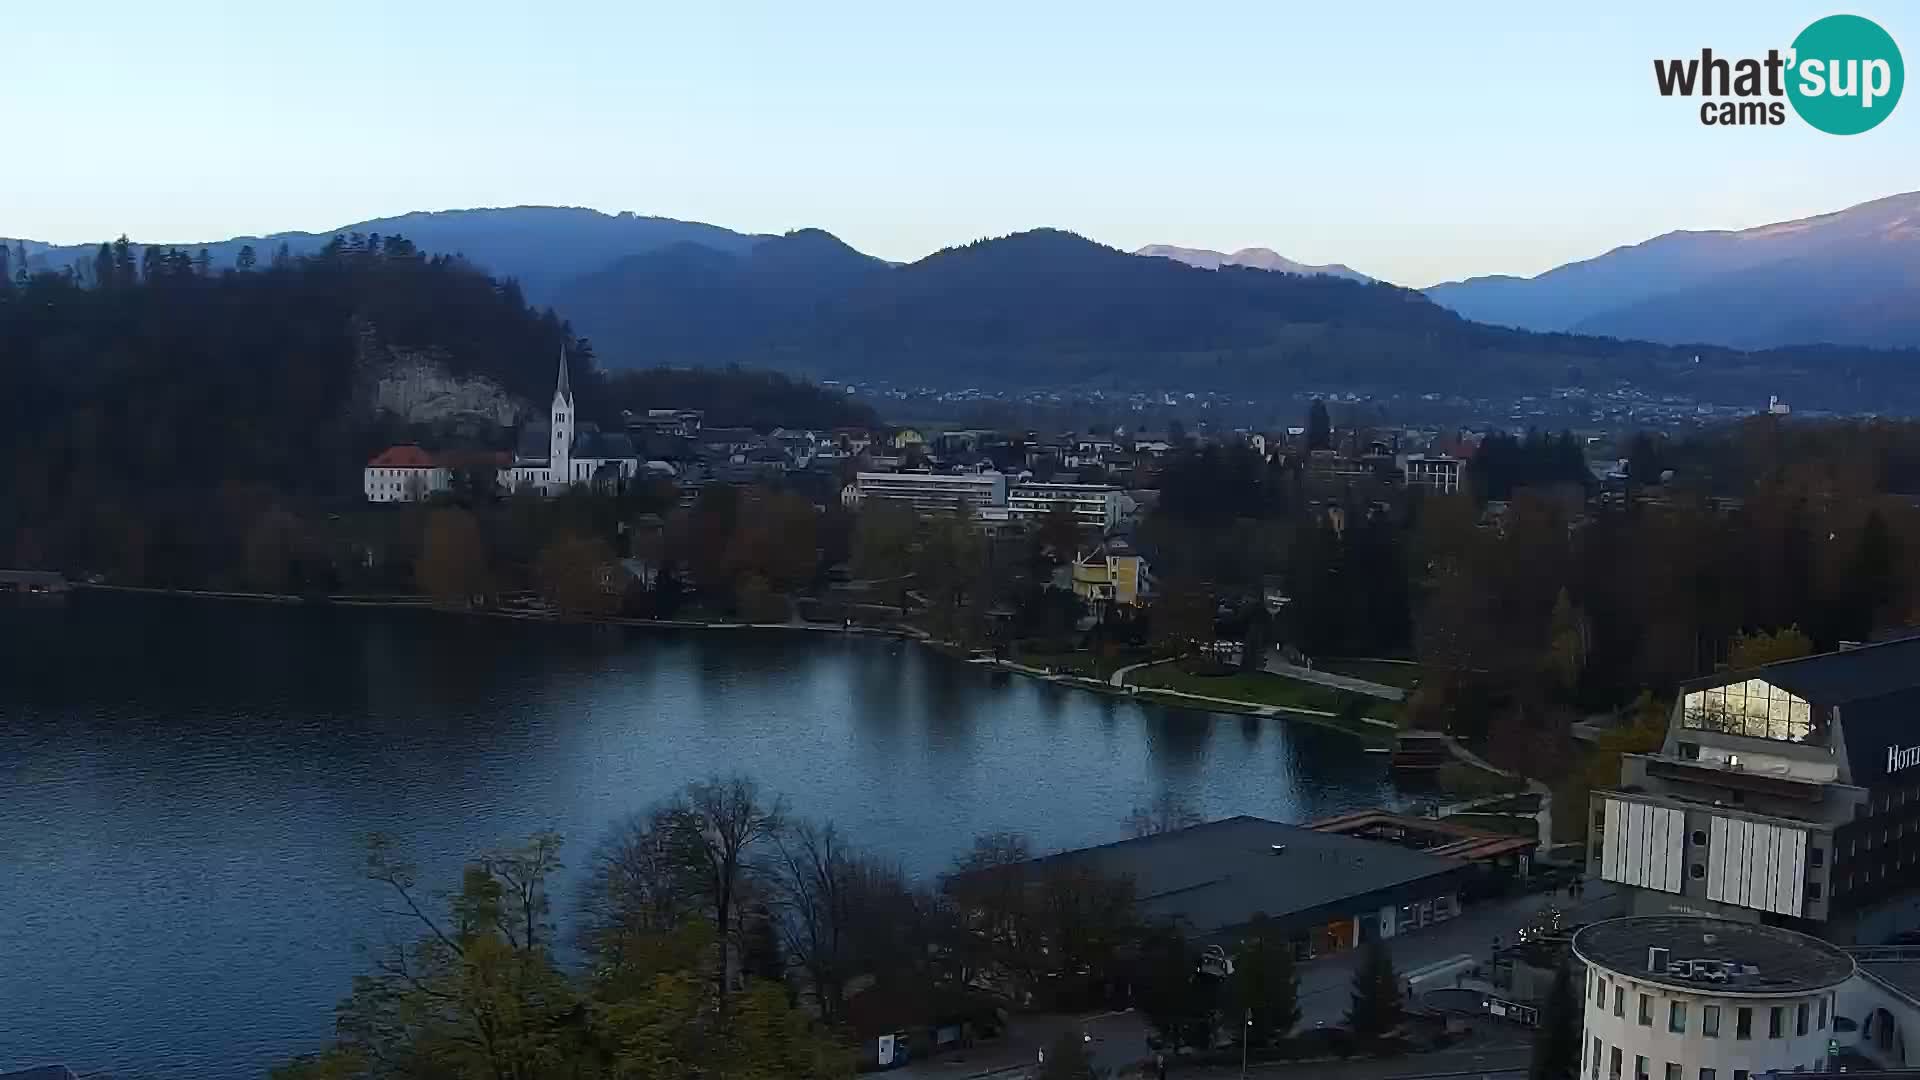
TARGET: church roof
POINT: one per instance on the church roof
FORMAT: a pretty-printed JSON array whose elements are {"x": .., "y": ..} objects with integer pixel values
[{"x": 563, "y": 391}]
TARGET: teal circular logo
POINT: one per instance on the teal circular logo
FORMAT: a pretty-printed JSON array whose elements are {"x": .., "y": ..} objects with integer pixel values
[{"x": 1846, "y": 74}]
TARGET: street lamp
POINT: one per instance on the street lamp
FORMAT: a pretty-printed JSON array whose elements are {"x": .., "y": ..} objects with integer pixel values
[{"x": 1245, "y": 1031}]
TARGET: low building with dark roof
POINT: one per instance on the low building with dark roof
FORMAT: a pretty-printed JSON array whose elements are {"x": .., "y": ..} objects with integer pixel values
[
  {"x": 1788, "y": 794},
  {"x": 1326, "y": 891}
]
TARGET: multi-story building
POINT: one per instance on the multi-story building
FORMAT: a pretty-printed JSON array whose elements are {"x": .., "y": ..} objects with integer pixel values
[
  {"x": 1689, "y": 998},
  {"x": 1437, "y": 472},
  {"x": 1787, "y": 794},
  {"x": 1093, "y": 505},
  {"x": 931, "y": 492},
  {"x": 1114, "y": 572},
  {"x": 404, "y": 474}
]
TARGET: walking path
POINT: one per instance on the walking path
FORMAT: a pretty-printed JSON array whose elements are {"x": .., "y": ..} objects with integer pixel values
[
  {"x": 1119, "y": 678},
  {"x": 1337, "y": 682}
]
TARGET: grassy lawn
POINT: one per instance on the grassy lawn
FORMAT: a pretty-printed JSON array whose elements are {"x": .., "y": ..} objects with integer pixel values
[
  {"x": 1244, "y": 686},
  {"x": 1400, "y": 675}
]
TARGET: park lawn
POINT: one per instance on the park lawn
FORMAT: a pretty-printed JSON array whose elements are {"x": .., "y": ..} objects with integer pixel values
[
  {"x": 1256, "y": 686},
  {"x": 1403, "y": 676}
]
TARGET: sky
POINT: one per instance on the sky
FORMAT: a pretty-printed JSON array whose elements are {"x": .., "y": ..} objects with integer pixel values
[{"x": 1415, "y": 141}]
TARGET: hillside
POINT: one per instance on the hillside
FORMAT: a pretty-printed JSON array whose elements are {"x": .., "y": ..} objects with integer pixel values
[
  {"x": 540, "y": 246},
  {"x": 1850, "y": 277},
  {"x": 1257, "y": 258}
]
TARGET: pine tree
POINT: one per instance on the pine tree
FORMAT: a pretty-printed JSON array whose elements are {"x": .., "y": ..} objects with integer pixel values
[
  {"x": 1556, "y": 1045},
  {"x": 203, "y": 263},
  {"x": 245, "y": 260},
  {"x": 1377, "y": 1008},
  {"x": 1265, "y": 984},
  {"x": 6, "y": 268}
]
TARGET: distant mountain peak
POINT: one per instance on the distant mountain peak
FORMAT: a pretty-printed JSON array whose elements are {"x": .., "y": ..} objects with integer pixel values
[
  {"x": 1842, "y": 277},
  {"x": 1259, "y": 258}
]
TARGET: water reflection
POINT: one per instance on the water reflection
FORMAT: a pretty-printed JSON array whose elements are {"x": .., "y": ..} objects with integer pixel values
[{"x": 186, "y": 784}]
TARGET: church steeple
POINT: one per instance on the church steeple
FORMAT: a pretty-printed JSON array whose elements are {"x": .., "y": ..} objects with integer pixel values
[
  {"x": 563, "y": 392},
  {"x": 560, "y": 454}
]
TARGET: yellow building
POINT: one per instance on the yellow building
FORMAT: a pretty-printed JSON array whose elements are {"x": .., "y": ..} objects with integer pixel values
[
  {"x": 906, "y": 437},
  {"x": 1112, "y": 573}
]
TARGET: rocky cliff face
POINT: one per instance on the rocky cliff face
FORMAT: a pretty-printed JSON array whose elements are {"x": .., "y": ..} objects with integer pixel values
[
  {"x": 417, "y": 387},
  {"x": 420, "y": 390}
]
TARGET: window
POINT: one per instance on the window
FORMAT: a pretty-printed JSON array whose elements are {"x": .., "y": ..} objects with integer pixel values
[
  {"x": 1619, "y": 999},
  {"x": 1710, "y": 1021},
  {"x": 1823, "y": 1015},
  {"x": 1613, "y": 1064},
  {"x": 1743, "y": 1023},
  {"x": 1595, "y": 1072},
  {"x": 1699, "y": 838},
  {"x": 1696, "y": 871},
  {"x": 1673, "y": 1070},
  {"x": 1813, "y": 890},
  {"x": 1639, "y": 1067},
  {"x": 1600, "y": 999},
  {"x": 1706, "y": 1074},
  {"x": 1677, "y": 1018},
  {"x": 1776, "y": 1021},
  {"x": 1800, "y": 1019},
  {"x": 1739, "y": 1074},
  {"x": 1646, "y": 1010}
]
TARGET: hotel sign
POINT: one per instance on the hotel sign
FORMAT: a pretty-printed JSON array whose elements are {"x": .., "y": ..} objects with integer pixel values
[{"x": 1902, "y": 757}]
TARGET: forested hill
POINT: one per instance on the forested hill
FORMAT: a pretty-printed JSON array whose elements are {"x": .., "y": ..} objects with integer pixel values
[
  {"x": 1048, "y": 309},
  {"x": 166, "y": 406}
]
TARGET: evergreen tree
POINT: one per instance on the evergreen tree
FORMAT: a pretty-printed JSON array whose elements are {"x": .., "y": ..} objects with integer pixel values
[
  {"x": 203, "y": 263},
  {"x": 1377, "y": 1007},
  {"x": 103, "y": 276},
  {"x": 1265, "y": 983},
  {"x": 124, "y": 275},
  {"x": 1556, "y": 1045},
  {"x": 6, "y": 267},
  {"x": 245, "y": 260},
  {"x": 1319, "y": 427}
]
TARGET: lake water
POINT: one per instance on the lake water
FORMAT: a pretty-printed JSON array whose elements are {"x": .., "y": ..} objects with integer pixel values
[{"x": 184, "y": 786}]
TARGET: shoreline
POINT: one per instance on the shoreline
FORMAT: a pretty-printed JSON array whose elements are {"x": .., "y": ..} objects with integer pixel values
[{"x": 1377, "y": 729}]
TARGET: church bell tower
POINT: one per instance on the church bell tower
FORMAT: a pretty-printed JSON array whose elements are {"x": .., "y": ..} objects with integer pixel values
[{"x": 559, "y": 459}]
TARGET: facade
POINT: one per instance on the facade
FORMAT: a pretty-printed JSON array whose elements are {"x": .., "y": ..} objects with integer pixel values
[
  {"x": 931, "y": 493},
  {"x": 1093, "y": 505},
  {"x": 1437, "y": 472},
  {"x": 404, "y": 474},
  {"x": 1785, "y": 795},
  {"x": 1114, "y": 572},
  {"x": 566, "y": 452},
  {"x": 1689, "y": 998}
]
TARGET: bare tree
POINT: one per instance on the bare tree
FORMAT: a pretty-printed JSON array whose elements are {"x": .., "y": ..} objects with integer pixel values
[
  {"x": 717, "y": 825},
  {"x": 639, "y": 887},
  {"x": 816, "y": 882},
  {"x": 1167, "y": 813}
]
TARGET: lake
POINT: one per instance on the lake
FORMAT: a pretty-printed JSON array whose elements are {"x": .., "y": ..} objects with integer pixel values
[{"x": 185, "y": 784}]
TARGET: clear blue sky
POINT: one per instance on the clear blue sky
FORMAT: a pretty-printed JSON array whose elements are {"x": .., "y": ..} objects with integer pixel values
[{"x": 1417, "y": 141}]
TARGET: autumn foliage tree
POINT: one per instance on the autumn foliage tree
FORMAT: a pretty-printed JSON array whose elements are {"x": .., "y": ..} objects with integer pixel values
[{"x": 453, "y": 558}]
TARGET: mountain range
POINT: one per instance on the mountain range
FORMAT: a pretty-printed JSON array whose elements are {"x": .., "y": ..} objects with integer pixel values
[
  {"x": 1851, "y": 277},
  {"x": 1050, "y": 308},
  {"x": 1258, "y": 258}
]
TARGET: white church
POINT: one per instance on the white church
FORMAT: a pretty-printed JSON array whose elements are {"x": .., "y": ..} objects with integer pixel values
[{"x": 566, "y": 451}]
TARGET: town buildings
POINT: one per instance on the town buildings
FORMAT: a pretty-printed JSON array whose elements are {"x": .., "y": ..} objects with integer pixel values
[
  {"x": 1787, "y": 795},
  {"x": 1093, "y": 505},
  {"x": 1689, "y": 998},
  {"x": 931, "y": 492},
  {"x": 568, "y": 451}
]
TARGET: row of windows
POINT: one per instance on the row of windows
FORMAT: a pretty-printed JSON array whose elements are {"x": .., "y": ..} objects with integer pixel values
[
  {"x": 1753, "y": 708},
  {"x": 1640, "y": 1066},
  {"x": 1804, "y": 1015}
]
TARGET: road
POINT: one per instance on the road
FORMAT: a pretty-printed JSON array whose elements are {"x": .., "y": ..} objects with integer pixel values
[
  {"x": 1119, "y": 1040},
  {"x": 1325, "y": 983}
]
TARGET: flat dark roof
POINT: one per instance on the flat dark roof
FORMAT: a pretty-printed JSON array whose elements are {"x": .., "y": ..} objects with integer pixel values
[
  {"x": 1902, "y": 975},
  {"x": 1787, "y": 962},
  {"x": 1221, "y": 874}
]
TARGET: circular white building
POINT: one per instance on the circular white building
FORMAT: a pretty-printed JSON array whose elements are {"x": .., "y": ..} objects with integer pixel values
[{"x": 1684, "y": 998}]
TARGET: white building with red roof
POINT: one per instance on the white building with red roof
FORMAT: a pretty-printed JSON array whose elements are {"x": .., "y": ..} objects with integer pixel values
[{"x": 405, "y": 473}]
